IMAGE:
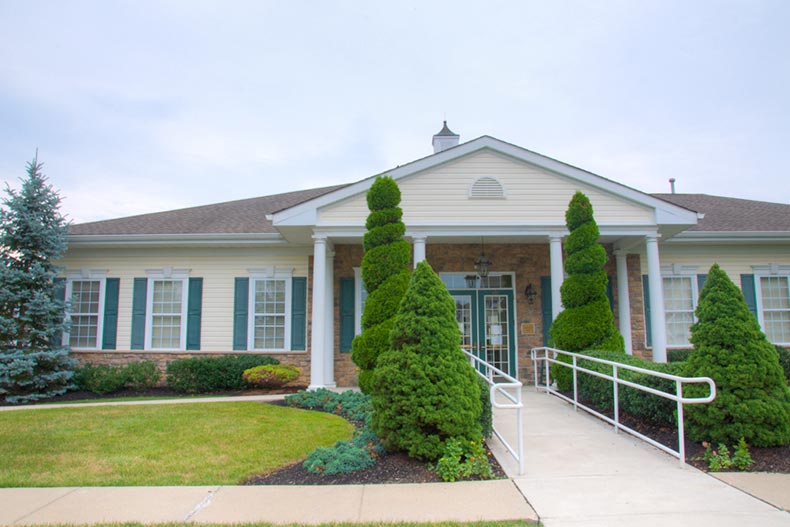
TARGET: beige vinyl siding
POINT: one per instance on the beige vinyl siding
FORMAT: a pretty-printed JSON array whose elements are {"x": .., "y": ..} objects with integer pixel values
[
  {"x": 532, "y": 196},
  {"x": 217, "y": 266},
  {"x": 734, "y": 260}
]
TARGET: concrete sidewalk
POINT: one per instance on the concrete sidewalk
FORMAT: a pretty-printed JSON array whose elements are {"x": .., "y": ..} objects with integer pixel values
[
  {"x": 429, "y": 502},
  {"x": 580, "y": 473}
]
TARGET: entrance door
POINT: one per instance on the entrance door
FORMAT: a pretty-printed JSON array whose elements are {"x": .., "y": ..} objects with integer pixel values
[{"x": 487, "y": 323}]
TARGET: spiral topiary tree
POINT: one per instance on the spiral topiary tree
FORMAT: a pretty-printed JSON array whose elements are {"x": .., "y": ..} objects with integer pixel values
[
  {"x": 752, "y": 399},
  {"x": 426, "y": 391},
  {"x": 385, "y": 274},
  {"x": 587, "y": 322}
]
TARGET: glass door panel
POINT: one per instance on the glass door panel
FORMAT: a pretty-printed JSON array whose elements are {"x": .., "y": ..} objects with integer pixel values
[{"x": 496, "y": 330}]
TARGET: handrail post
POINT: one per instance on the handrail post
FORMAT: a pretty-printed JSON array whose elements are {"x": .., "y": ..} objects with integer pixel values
[
  {"x": 616, "y": 400},
  {"x": 575, "y": 387},
  {"x": 681, "y": 424}
]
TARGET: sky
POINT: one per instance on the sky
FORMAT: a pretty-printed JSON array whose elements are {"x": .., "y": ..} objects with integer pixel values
[{"x": 142, "y": 106}]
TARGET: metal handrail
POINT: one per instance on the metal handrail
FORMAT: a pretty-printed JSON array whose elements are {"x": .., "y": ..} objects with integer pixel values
[
  {"x": 516, "y": 402},
  {"x": 616, "y": 382}
]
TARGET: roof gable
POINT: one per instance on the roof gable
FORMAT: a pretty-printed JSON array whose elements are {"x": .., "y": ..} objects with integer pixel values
[{"x": 665, "y": 213}]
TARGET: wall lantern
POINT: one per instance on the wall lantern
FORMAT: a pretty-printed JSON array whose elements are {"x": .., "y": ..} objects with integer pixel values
[
  {"x": 530, "y": 293},
  {"x": 483, "y": 264}
]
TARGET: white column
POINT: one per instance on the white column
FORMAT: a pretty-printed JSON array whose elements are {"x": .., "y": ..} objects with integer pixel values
[
  {"x": 329, "y": 326},
  {"x": 623, "y": 300},
  {"x": 419, "y": 249},
  {"x": 557, "y": 273},
  {"x": 318, "y": 333},
  {"x": 658, "y": 323}
]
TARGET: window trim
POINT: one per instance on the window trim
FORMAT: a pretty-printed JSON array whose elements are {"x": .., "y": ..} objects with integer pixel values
[
  {"x": 270, "y": 273},
  {"x": 169, "y": 274},
  {"x": 86, "y": 275},
  {"x": 768, "y": 271},
  {"x": 681, "y": 271}
]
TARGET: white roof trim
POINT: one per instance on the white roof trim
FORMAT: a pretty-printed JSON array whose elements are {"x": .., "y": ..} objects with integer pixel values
[
  {"x": 666, "y": 213},
  {"x": 181, "y": 240}
]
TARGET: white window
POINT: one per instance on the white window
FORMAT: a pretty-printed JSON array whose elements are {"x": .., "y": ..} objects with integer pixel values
[
  {"x": 167, "y": 314},
  {"x": 85, "y": 296},
  {"x": 270, "y": 308},
  {"x": 773, "y": 302},
  {"x": 85, "y": 299},
  {"x": 680, "y": 301}
]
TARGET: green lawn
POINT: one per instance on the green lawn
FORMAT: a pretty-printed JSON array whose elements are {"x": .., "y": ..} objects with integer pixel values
[
  {"x": 510, "y": 523},
  {"x": 172, "y": 444}
]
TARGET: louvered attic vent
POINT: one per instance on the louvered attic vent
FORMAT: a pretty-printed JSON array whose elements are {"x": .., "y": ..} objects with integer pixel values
[{"x": 487, "y": 188}]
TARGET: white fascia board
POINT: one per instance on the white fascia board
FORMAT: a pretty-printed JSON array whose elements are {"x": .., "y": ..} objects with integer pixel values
[
  {"x": 760, "y": 237},
  {"x": 174, "y": 240},
  {"x": 666, "y": 213}
]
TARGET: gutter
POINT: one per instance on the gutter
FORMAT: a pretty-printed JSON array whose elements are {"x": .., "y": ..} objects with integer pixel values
[
  {"x": 175, "y": 240},
  {"x": 730, "y": 237}
]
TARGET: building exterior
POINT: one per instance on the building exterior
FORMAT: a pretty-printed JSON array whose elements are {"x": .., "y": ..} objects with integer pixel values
[{"x": 280, "y": 274}]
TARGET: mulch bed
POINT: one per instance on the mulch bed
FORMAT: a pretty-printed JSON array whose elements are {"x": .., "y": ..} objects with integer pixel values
[
  {"x": 775, "y": 459},
  {"x": 154, "y": 392},
  {"x": 391, "y": 468}
]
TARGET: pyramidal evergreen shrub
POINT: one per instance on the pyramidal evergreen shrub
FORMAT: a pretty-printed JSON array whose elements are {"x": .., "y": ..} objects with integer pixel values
[
  {"x": 385, "y": 274},
  {"x": 752, "y": 398},
  {"x": 33, "y": 362},
  {"x": 426, "y": 391},
  {"x": 587, "y": 322}
]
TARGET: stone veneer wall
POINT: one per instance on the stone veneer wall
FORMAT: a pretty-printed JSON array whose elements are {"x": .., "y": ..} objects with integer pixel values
[
  {"x": 346, "y": 258},
  {"x": 120, "y": 357}
]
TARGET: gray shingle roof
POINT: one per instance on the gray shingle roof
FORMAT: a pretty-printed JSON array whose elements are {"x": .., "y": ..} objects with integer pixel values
[
  {"x": 733, "y": 214},
  {"x": 245, "y": 216}
]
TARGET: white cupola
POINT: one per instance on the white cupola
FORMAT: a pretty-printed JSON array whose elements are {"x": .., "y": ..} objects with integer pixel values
[{"x": 444, "y": 139}]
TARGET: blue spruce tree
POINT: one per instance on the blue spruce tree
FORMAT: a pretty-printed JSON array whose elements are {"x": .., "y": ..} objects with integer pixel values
[{"x": 33, "y": 362}]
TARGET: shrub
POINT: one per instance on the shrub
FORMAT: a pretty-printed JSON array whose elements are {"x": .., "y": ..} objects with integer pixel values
[
  {"x": 462, "y": 459},
  {"x": 587, "y": 322},
  {"x": 360, "y": 452},
  {"x": 679, "y": 355},
  {"x": 270, "y": 375},
  {"x": 354, "y": 406},
  {"x": 426, "y": 392},
  {"x": 142, "y": 376},
  {"x": 600, "y": 394},
  {"x": 212, "y": 374},
  {"x": 346, "y": 456},
  {"x": 486, "y": 414},
  {"x": 784, "y": 361},
  {"x": 752, "y": 400},
  {"x": 385, "y": 275},
  {"x": 100, "y": 378}
]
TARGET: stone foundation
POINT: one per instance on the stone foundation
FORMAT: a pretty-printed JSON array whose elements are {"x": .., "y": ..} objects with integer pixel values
[{"x": 162, "y": 359}]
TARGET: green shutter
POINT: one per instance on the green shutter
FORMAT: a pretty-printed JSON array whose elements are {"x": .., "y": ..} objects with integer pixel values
[
  {"x": 59, "y": 293},
  {"x": 648, "y": 320},
  {"x": 299, "y": 313},
  {"x": 347, "y": 320},
  {"x": 110, "y": 325},
  {"x": 241, "y": 296},
  {"x": 701, "y": 279},
  {"x": 749, "y": 292},
  {"x": 545, "y": 299},
  {"x": 138, "y": 313},
  {"x": 610, "y": 293},
  {"x": 194, "y": 313}
]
